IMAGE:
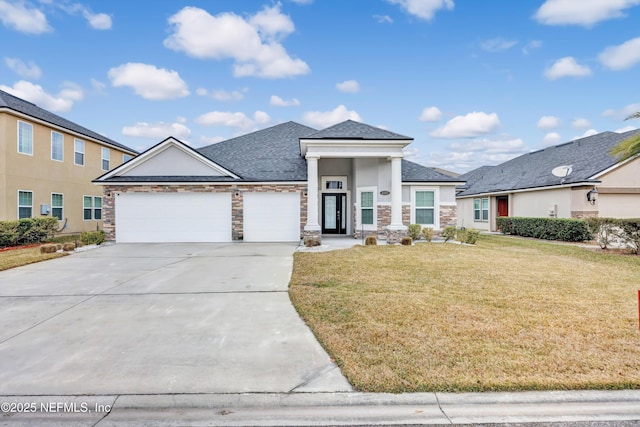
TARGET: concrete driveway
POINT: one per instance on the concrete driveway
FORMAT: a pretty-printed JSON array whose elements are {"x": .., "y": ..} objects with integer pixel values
[{"x": 159, "y": 318}]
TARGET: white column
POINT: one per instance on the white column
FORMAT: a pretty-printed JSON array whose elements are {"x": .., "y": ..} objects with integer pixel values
[
  {"x": 396, "y": 194},
  {"x": 312, "y": 195}
]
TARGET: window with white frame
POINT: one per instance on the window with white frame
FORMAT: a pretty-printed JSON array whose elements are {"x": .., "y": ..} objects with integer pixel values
[
  {"x": 126, "y": 158},
  {"x": 25, "y": 138},
  {"x": 425, "y": 207},
  {"x": 366, "y": 207},
  {"x": 338, "y": 183},
  {"x": 106, "y": 156},
  {"x": 78, "y": 152},
  {"x": 25, "y": 204},
  {"x": 91, "y": 208},
  {"x": 481, "y": 209},
  {"x": 57, "y": 146},
  {"x": 57, "y": 206}
]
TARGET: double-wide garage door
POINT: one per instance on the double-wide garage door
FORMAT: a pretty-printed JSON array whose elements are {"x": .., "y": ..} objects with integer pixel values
[{"x": 205, "y": 217}]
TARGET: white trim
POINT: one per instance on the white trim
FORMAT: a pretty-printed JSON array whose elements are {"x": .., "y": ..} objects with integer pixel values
[
  {"x": 436, "y": 206},
  {"x": 18, "y": 138},
  {"x": 24, "y": 206},
  {"x": 63, "y": 129},
  {"x": 227, "y": 183},
  {"x": 524, "y": 190},
  {"x": 440, "y": 183},
  {"x": 614, "y": 167},
  {"x": 448, "y": 204},
  {"x": 62, "y": 207},
  {"x": 159, "y": 148},
  {"x": 103, "y": 158},
  {"x": 325, "y": 178},
  {"x": 93, "y": 207},
  {"x": 359, "y": 225},
  {"x": 62, "y": 135},
  {"x": 84, "y": 149}
]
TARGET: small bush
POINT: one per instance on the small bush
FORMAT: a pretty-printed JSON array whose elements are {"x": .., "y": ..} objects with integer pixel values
[
  {"x": 406, "y": 241},
  {"x": 471, "y": 236},
  {"x": 604, "y": 230},
  {"x": 630, "y": 233},
  {"x": 69, "y": 246},
  {"x": 461, "y": 235},
  {"x": 92, "y": 237},
  {"x": 427, "y": 233},
  {"x": 568, "y": 230},
  {"x": 27, "y": 231},
  {"x": 449, "y": 233},
  {"x": 414, "y": 231},
  {"x": 371, "y": 240},
  {"x": 49, "y": 248},
  {"x": 311, "y": 242}
]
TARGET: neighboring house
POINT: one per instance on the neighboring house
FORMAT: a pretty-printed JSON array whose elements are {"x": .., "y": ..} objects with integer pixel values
[
  {"x": 277, "y": 184},
  {"x": 572, "y": 180},
  {"x": 47, "y": 164}
]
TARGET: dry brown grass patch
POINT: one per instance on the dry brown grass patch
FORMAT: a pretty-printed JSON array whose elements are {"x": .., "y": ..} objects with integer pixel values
[
  {"x": 505, "y": 314},
  {"x": 18, "y": 257}
]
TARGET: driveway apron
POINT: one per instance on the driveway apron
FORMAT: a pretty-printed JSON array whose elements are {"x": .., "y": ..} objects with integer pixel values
[{"x": 159, "y": 318}]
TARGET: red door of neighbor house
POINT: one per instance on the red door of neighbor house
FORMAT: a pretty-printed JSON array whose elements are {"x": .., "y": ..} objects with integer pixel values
[{"x": 503, "y": 207}]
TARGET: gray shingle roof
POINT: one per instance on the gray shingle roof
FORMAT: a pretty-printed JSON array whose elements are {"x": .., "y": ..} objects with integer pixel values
[
  {"x": 271, "y": 154},
  {"x": 586, "y": 156},
  {"x": 413, "y": 172},
  {"x": 355, "y": 130},
  {"x": 20, "y": 105}
]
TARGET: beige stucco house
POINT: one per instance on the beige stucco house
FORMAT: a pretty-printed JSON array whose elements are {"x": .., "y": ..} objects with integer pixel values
[
  {"x": 47, "y": 164},
  {"x": 572, "y": 180},
  {"x": 277, "y": 184}
]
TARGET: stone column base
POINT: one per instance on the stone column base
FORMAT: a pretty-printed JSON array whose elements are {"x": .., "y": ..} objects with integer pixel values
[
  {"x": 395, "y": 236},
  {"x": 312, "y": 238}
]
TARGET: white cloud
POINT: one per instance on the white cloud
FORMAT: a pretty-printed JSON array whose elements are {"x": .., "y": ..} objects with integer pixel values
[
  {"x": 548, "y": 122},
  {"x": 581, "y": 123},
  {"x": 383, "y": 19},
  {"x": 348, "y": 86},
  {"x": 323, "y": 119},
  {"x": 253, "y": 44},
  {"x": 209, "y": 140},
  {"x": 61, "y": 102},
  {"x": 424, "y": 9},
  {"x": 552, "y": 138},
  {"x": 17, "y": 16},
  {"x": 533, "y": 44},
  {"x": 463, "y": 157},
  {"x": 587, "y": 133},
  {"x": 498, "y": 44},
  {"x": 622, "y": 56},
  {"x": 431, "y": 114},
  {"x": 202, "y": 91},
  {"x": 566, "y": 67},
  {"x": 24, "y": 70},
  {"x": 622, "y": 113},
  {"x": 160, "y": 130},
  {"x": 580, "y": 12},
  {"x": 223, "y": 95},
  {"x": 626, "y": 129},
  {"x": 302, "y": 1},
  {"x": 98, "y": 86},
  {"x": 276, "y": 101},
  {"x": 148, "y": 81},
  {"x": 468, "y": 126},
  {"x": 236, "y": 120},
  {"x": 98, "y": 21}
]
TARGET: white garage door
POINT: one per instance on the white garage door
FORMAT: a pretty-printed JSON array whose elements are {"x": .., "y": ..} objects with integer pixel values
[
  {"x": 271, "y": 217},
  {"x": 173, "y": 217}
]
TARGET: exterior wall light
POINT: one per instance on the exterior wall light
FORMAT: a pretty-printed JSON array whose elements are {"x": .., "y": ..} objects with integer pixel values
[{"x": 592, "y": 196}]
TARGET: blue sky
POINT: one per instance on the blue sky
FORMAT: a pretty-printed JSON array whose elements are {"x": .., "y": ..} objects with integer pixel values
[{"x": 473, "y": 82}]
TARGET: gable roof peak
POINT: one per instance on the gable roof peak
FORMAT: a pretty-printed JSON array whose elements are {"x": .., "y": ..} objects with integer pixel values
[{"x": 351, "y": 129}]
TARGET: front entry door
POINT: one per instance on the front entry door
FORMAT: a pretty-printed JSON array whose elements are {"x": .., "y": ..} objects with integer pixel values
[
  {"x": 503, "y": 206},
  {"x": 334, "y": 215}
]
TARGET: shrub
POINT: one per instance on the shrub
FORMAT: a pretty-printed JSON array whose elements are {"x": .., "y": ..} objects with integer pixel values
[
  {"x": 92, "y": 237},
  {"x": 414, "y": 231},
  {"x": 406, "y": 241},
  {"x": 471, "y": 236},
  {"x": 69, "y": 246},
  {"x": 311, "y": 242},
  {"x": 461, "y": 235},
  {"x": 449, "y": 233},
  {"x": 569, "y": 230},
  {"x": 427, "y": 233},
  {"x": 49, "y": 248},
  {"x": 630, "y": 233},
  {"x": 26, "y": 231},
  {"x": 604, "y": 230},
  {"x": 371, "y": 241}
]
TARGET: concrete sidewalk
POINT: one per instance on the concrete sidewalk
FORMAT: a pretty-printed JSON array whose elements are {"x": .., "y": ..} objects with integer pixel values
[{"x": 324, "y": 409}]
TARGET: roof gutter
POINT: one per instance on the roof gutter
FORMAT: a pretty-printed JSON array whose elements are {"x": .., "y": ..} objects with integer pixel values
[{"x": 523, "y": 190}]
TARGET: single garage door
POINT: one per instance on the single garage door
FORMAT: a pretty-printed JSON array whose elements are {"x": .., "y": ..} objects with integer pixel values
[
  {"x": 271, "y": 217},
  {"x": 173, "y": 217}
]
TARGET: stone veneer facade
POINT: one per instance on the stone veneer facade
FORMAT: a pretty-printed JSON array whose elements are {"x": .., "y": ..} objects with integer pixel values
[{"x": 237, "y": 214}]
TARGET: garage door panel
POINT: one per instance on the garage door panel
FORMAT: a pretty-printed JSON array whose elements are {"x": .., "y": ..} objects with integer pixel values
[
  {"x": 173, "y": 217},
  {"x": 271, "y": 217}
]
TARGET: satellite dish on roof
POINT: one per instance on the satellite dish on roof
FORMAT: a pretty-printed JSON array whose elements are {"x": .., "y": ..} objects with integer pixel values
[{"x": 562, "y": 171}]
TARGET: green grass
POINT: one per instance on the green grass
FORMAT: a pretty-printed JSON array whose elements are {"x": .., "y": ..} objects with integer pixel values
[{"x": 505, "y": 314}]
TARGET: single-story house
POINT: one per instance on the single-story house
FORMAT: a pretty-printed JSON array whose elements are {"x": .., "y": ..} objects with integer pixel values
[
  {"x": 573, "y": 180},
  {"x": 277, "y": 184}
]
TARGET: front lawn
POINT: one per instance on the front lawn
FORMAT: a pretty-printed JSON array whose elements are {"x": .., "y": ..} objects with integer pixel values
[
  {"x": 505, "y": 314},
  {"x": 23, "y": 256}
]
